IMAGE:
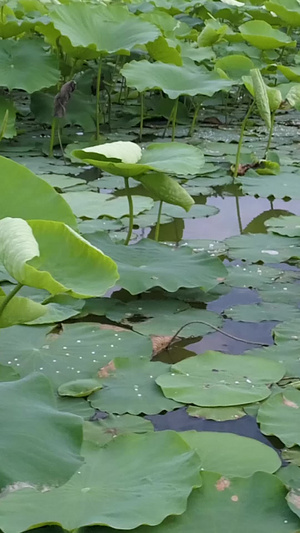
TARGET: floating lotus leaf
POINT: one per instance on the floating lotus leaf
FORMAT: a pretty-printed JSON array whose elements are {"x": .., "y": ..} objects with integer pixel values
[
  {"x": 242, "y": 503},
  {"x": 262, "y": 311},
  {"x": 79, "y": 388},
  {"x": 128, "y": 386},
  {"x": 220, "y": 414},
  {"x": 173, "y": 80},
  {"x": 100, "y": 495},
  {"x": 93, "y": 205},
  {"x": 230, "y": 454},
  {"x": 41, "y": 71},
  {"x": 215, "y": 379},
  {"x": 280, "y": 416},
  {"x": 261, "y": 35},
  {"x": 147, "y": 264},
  {"x": 289, "y": 225},
  {"x": 286, "y": 354},
  {"x": 78, "y": 352},
  {"x": 28, "y": 409},
  {"x": 287, "y": 331},
  {"x": 106, "y": 429},
  {"x": 284, "y": 185},
  {"x": 264, "y": 248}
]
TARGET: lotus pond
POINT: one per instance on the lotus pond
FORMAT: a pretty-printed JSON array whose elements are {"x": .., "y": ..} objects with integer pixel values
[{"x": 150, "y": 266}]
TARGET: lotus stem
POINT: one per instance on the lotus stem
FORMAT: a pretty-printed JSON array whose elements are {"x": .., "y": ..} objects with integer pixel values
[
  {"x": 157, "y": 228},
  {"x": 196, "y": 113},
  {"x": 4, "y": 124},
  {"x": 52, "y": 138},
  {"x": 130, "y": 204},
  {"x": 98, "y": 99},
  {"x": 174, "y": 117},
  {"x": 270, "y": 134},
  {"x": 142, "y": 116},
  {"x": 238, "y": 154},
  {"x": 9, "y": 296},
  {"x": 238, "y": 213}
]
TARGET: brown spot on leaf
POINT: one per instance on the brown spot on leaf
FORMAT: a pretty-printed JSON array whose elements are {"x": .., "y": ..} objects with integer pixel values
[
  {"x": 107, "y": 370},
  {"x": 234, "y": 498},
  {"x": 220, "y": 280},
  {"x": 113, "y": 328},
  {"x": 159, "y": 343},
  {"x": 294, "y": 498},
  {"x": 289, "y": 403},
  {"x": 222, "y": 484}
]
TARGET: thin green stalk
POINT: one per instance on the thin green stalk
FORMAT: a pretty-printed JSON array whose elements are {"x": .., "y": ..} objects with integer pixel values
[
  {"x": 4, "y": 124},
  {"x": 270, "y": 134},
  {"x": 238, "y": 213},
  {"x": 142, "y": 116},
  {"x": 196, "y": 113},
  {"x": 130, "y": 204},
  {"x": 9, "y": 296},
  {"x": 283, "y": 49},
  {"x": 174, "y": 117},
  {"x": 52, "y": 138},
  {"x": 156, "y": 237},
  {"x": 168, "y": 123},
  {"x": 98, "y": 100},
  {"x": 238, "y": 154}
]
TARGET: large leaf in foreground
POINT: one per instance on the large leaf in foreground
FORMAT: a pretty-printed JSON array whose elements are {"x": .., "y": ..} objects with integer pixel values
[
  {"x": 50, "y": 255},
  {"x": 35, "y": 199},
  {"x": 50, "y": 440},
  {"x": 41, "y": 70},
  {"x": 131, "y": 468},
  {"x": 215, "y": 379},
  {"x": 125, "y": 158},
  {"x": 173, "y": 80},
  {"x": 79, "y": 351},
  {"x": 147, "y": 264},
  {"x": 280, "y": 416},
  {"x": 255, "y": 504},
  {"x": 230, "y": 454},
  {"x": 129, "y": 387}
]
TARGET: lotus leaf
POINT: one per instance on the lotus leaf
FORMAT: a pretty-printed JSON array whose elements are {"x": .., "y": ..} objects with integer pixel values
[
  {"x": 147, "y": 264},
  {"x": 262, "y": 247},
  {"x": 215, "y": 379},
  {"x": 262, "y": 311},
  {"x": 280, "y": 416},
  {"x": 288, "y": 11},
  {"x": 289, "y": 225},
  {"x": 128, "y": 386},
  {"x": 92, "y": 205},
  {"x": 99, "y": 495},
  {"x": 261, "y": 34},
  {"x": 28, "y": 409},
  {"x": 102, "y": 431},
  {"x": 173, "y": 80}
]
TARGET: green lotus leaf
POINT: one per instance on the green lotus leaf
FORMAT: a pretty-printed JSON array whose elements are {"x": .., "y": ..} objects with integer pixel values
[
  {"x": 28, "y": 409},
  {"x": 262, "y": 247},
  {"x": 173, "y": 80},
  {"x": 30, "y": 254},
  {"x": 20, "y": 310},
  {"x": 293, "y": 97},
  {"x": 215, "y": 379},
  {"x": 212, "y": 33},
  {"x": 92, "y": 205},
  {"x": 282, "y": 185},
  {"x": 166, "y": 189},
  {"x": 288, "y": 10},
  {"x": 280, "y": 416},
  {"x": 103, "y": 28},
  {"x": 162, "y": 50},
  {"x": 106, "y": 429},
  {"x": 79, "y": 388},
  {"x": 261, "y": 96},
  {"x": 12, "y": 28},
  {"x": 220, "y": 414},
  {"x": 287, "y": 354},
  {"x": 100, "y": 495},
  {"x": 41, "y": 71},
  {"x": 128, "y": 386},
  {"x": 262, "y": 311},
  {"x": 230, "y": 454},
  {"x": 79, "y": 351},
  {"x": 147, "y": 264},
  {"x": 291, "y": 73},
  {"x": 242, "y": 503},
  {"x": 35, "y": 199},
  {"x": 235, "y": 65},
  {"x": 261, "y": 35},
  {"x": 284, "y": 225},
  {"x": 121, "y": 158},
  {"x": 286, "y": 332}
]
